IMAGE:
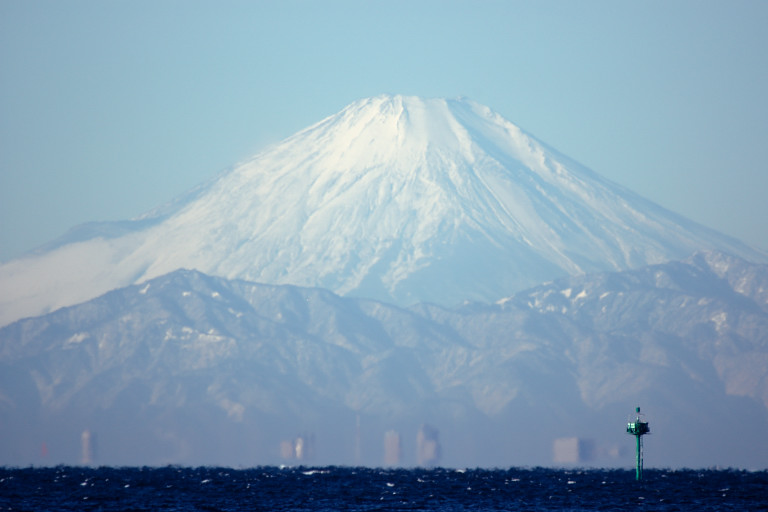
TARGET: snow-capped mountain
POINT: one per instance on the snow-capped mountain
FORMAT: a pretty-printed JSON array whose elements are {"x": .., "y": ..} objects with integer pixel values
[
  {"x": 193, "y": 369},
  {"x": 395, "y": 198}
]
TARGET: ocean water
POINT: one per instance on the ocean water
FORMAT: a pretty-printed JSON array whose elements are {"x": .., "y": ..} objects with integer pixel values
[{"x": 363, "y": 489}]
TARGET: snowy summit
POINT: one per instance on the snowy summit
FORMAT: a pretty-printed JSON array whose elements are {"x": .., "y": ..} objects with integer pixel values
[{"x": 396, "y": 198}]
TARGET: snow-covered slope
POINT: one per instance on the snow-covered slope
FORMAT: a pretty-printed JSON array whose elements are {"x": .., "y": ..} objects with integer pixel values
[{"x": 396, "y": 198}]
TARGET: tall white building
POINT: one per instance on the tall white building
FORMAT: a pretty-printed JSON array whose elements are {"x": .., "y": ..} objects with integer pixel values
[
  {"x": 572, "y": 450},
  {"x": 428, "y": 450},
  {"x": 87, "y": 445},
  {"x": 392, "y": 448}
]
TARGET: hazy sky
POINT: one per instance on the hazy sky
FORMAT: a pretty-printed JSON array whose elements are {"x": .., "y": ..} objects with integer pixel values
[{"x": 109, "y": 108}]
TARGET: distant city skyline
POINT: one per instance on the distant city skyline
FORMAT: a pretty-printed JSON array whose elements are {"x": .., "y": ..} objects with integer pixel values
[{"x": 108, "y": 110}]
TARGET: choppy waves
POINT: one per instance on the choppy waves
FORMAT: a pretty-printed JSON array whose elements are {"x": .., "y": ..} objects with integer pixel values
[{"x": 364, "y": 489}]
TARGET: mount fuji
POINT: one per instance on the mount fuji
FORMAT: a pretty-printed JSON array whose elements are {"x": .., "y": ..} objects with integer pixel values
[
  {"x": 518, "y": 299},
  {"x": 399, "y": 199}
]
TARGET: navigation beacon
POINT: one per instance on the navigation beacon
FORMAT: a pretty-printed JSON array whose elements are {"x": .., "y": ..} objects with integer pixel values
[{"x": 638, "y": 428}]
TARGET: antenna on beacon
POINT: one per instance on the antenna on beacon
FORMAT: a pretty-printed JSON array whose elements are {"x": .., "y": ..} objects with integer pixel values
[{"x": 638, "y": 428}]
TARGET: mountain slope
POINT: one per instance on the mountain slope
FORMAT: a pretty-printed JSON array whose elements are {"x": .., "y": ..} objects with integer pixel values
[
  {"x": 394, "y": 198},
  {"x": 250, "y": 365}
]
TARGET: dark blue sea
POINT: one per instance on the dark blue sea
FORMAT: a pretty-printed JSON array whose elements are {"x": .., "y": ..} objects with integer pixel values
[{"x": 363, "y": 489}]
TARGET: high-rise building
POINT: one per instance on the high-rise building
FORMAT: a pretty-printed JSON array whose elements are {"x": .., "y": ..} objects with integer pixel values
[
  {"x": 88, "y": 447},
  {"x": 428, "y": 450},
  {"x": 572, "y": 450},
  {"x": 392, "y": 448},
  {"x": 358, "y": 442},
  {"x": 301, "y": 448}
]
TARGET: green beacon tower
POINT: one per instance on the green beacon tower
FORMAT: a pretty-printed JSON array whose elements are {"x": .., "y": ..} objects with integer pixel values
[{"x": 638, "y": 428}]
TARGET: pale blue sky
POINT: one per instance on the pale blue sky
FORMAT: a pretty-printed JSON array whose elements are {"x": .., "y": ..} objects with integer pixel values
[{"x": 109, "y": 108}]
